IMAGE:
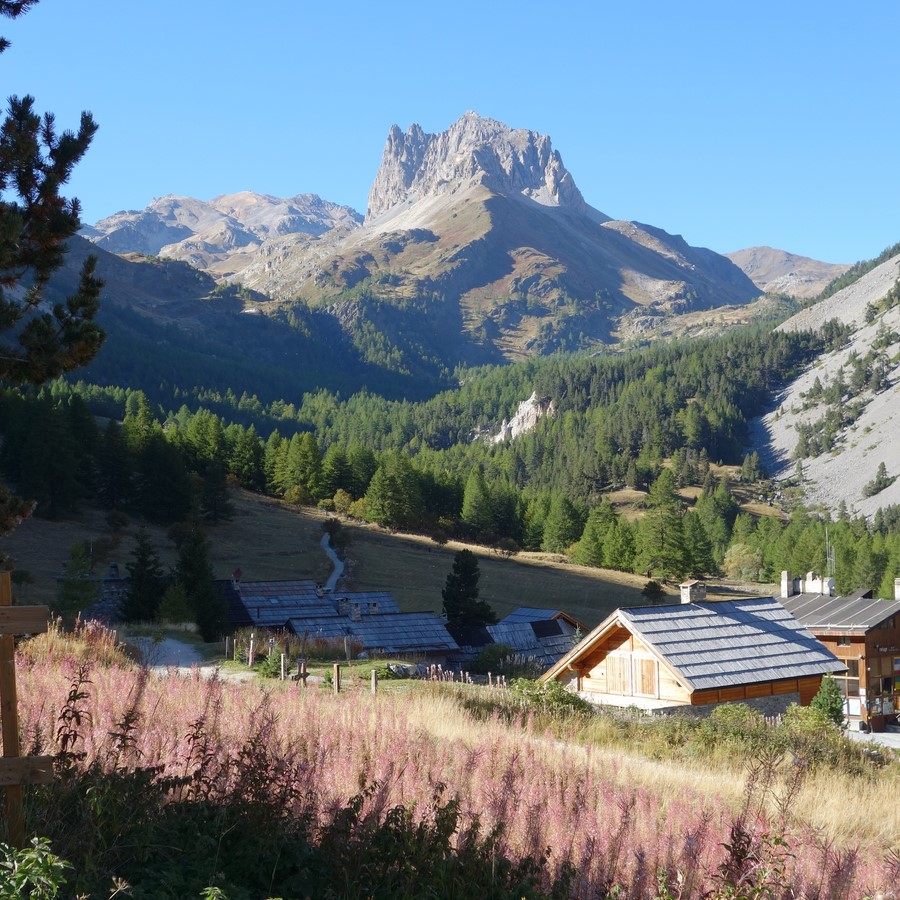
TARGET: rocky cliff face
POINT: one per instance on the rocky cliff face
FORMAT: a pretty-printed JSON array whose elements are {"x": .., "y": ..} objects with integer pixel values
[
  {"x": 526, "y": 417},
  {"x": 838, "y": 418},
  {"x": 473, "y": 151}
]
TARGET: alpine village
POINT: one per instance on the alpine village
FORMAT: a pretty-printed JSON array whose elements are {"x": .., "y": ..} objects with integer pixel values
[{"x": 479, "y": 545}]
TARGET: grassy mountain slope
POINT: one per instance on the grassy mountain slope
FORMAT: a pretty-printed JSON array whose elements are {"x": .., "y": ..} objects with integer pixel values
[{"x": 270, "y": 540}]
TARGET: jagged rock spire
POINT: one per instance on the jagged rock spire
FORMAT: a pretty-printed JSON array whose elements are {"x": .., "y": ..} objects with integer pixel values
[{"x": 474, "y": 150}]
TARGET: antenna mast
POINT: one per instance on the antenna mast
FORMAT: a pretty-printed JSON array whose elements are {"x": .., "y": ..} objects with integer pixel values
[{"x": 829, "y": 556}]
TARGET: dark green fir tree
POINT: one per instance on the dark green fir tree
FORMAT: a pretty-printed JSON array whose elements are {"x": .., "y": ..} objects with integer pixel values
[{"x": 460, "y": 593}]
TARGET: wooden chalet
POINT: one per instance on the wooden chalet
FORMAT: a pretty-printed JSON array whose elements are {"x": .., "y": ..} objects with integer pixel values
[
  {"x": 697, "y": 653},
  {"x": 864, "y": 634}
]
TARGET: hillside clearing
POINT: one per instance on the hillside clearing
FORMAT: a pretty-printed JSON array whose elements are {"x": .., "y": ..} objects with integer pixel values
[{"x": 270, "y": 540}]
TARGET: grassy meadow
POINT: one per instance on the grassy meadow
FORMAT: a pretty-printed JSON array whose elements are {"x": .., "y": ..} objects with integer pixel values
[
  {"x": 268, "y": 539},
  {"x": 266, "y": 789}
]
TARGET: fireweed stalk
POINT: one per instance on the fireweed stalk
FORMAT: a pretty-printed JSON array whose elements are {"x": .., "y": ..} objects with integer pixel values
[{"x": 543, "y": 793}]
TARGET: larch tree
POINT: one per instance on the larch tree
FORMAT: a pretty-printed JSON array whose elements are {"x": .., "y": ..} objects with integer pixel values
[
  {"x": 477, "y": 509},
  {"x": 830, "y": 702}
]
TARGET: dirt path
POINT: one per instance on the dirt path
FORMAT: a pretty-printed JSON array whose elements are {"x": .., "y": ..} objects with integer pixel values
[
  {"x": 336, "y": 561},
  {"x": 174, "y": 655}
]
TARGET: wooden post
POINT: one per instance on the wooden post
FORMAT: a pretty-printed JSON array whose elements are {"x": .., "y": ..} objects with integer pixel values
[
  {"x": 9, "y": 711},
  {"x": 228, "y": 648},
  {"x": 16, "y": 771},
  {"x": 337, "y": 678},
  {"x": 282, "y": 667},
  {"x": 252, "y": 648},
  {"x": 374, "y": 681}
]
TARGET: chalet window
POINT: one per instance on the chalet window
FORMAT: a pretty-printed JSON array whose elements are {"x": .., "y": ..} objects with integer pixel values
[
  {"x": 849, "y": 681},
  {"x": 843, "y": 642},
  {"x": 849, "y": 686}
]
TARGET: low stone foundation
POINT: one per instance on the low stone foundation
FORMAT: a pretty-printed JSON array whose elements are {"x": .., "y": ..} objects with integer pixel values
[{"x": 768, "y": 706}]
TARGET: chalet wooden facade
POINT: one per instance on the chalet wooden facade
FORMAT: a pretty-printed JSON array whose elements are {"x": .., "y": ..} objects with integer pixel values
[
  {"x": 864, "y": 634},
  {"x": 697, "y": 653}
]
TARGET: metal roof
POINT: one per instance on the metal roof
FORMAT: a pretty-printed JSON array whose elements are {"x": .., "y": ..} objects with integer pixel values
[
  {"x": 470, "y": 635},
  {"x": 819, "y": 612},
  {"x": 549, "y": 629},
  {"x": 391, "y": 633},
  {"x": 722, "y": 644}
]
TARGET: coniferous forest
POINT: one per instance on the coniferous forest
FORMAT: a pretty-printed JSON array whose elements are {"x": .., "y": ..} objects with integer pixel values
[{"x": 658, "y": 420}]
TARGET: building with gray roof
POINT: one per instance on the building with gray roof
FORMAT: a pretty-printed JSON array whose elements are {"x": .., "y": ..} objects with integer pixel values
[
  {"x": 863, "y": 632},
  {"x": 697, "y": 654}
]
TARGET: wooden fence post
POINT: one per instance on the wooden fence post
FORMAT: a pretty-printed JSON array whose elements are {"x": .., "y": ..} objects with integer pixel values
[
  {"x": 15, "y": 770},
  {"x": 374, "y": 681},
  {"x": 337, "y": 678}
]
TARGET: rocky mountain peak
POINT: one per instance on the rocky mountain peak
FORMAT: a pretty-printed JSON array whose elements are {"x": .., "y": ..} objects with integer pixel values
[{"x": 474, "y": 151}]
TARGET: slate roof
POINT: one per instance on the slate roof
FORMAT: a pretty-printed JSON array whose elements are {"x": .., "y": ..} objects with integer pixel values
[
  {"x": 393, "y": 633},
  {"x": 853, "y": 615},
  {"x": 721, "y": 644},
  {"x": 544, "y": 640},
  {"x": 536, "y": 614},
  {"x": 470, "y": 635},
  {"x": 531, "y": 614},
  {"x": 270, "y": 604}
]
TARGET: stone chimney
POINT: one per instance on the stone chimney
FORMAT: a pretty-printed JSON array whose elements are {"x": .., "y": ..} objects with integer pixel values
[
  {"x": 787, "y": 585},
  {"x": 693, "y": 592},
  {"x": 355, "y": 611},
  {"x": 343, "y": 606},
  {"x": 373, "y": 607},
  {"x": 818, "y": 584}
]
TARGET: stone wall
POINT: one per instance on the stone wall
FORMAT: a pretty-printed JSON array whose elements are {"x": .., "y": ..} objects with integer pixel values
[{"x": 768, "y": 706}]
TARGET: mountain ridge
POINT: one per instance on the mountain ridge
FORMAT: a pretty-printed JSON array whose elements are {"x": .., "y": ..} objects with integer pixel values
[
  {"x": 483, "y": 217},
  {"x": 781, "y": 272}
]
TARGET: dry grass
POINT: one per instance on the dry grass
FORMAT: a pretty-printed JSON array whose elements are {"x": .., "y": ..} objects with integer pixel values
[
  {"x": 415, "y": 569},
  {"x": 268, "y": 539},
  {"x": 847, "y": 809}
]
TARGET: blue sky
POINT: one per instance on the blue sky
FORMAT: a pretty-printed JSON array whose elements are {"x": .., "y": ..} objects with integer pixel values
[{"x": 733, "y": 124}]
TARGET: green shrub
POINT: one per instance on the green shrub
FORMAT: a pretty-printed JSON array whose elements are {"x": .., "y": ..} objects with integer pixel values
[
  {"x": 551, "y": 697},
  {"x": 34, "y": 872}
]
